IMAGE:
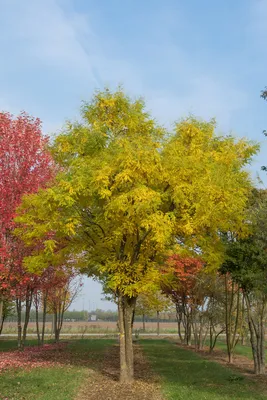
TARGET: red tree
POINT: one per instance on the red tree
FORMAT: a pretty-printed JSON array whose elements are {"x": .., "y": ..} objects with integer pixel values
[
  {"x": 25, "y": 166},
  {"x": 178, "y": 284}
]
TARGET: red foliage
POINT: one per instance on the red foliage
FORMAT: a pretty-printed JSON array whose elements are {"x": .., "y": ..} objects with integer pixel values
[
  {"x": 182, "y": 272},
  {"x": 25, "y": 166}
]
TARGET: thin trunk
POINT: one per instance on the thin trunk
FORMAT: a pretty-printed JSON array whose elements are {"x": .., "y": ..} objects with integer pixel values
[
  {"x": 253, "y": 340},
  {"x": 204, "y": 338},
  {"x": 133, "y": 317},
  {"x": 262, "y": 337},
  {"x": 19, "y": 307},
  {"x": 231, "y": 331},
  {"x": 157, "y": 322},
  {"x": 1, "y": 315},
  {"x": 123, "y": 364},
  {"x": 53, "y": 325},
  {"x": 56, "y": 325},
  {"x": 27, "y": 315},
  {"x": 44, "y": 317},
  {"x": 129, "y": 304},
  {"x": 144, "y": 323},
  {"x": 227, "y": 321},
  {"x": 37, "y": 319},
  {"x": 2, "y": 323},
  {"x": 179, "y": 317},
  {"x": 257, "y": 333}
]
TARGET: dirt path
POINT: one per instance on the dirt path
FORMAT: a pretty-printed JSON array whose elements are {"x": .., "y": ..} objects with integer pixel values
[{"x": 103, "y": 384}]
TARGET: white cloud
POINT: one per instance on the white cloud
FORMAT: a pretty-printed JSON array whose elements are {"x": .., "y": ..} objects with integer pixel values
[
  {"x": 53, "y": 36},
  {"x": 49, "y": 36}
]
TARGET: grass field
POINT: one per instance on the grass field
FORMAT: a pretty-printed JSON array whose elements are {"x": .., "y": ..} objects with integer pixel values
[
  {"x": 175, "y": 373},
  {"x": 186, "y": 375},
  {"x": 94, "y": 327}
]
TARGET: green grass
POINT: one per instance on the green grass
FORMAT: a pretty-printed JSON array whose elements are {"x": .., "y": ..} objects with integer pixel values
[
  {"x": 239, "y": 349},
  {"x": 41, "y": 384},
  {"x": 54, "y": 383},
  {"x": 185, "y": 375}
]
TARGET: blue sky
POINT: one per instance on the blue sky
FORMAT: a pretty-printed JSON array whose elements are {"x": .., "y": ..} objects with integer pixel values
[{"x": 203, "y": 57}]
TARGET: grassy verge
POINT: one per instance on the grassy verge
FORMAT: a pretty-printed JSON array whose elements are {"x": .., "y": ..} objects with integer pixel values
[
  {"x": 54, "y": 383},
  {"x": 185, "y": 375}
]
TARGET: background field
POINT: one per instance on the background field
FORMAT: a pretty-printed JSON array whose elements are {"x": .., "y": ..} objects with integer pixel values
[{"x": 95, "y": 327}]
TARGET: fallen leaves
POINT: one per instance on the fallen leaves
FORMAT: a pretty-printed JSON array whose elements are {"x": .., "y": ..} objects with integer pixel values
[{"x": 45, "y": 356}]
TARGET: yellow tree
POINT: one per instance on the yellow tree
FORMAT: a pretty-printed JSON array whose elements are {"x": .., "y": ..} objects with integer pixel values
[
  {"x": 152, "y": 302},
  {"x": 128, "y": 191}
]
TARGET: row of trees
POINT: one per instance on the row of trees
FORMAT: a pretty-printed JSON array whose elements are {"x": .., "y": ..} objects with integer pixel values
[
  {"x": 143, "y": 210},
  {"x": 26, "y": 166},
  {"x": 232, "y": 300}
]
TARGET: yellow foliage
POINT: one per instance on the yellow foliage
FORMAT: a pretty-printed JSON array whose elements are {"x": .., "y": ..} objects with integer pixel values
[{"x": 128, "y": 193}]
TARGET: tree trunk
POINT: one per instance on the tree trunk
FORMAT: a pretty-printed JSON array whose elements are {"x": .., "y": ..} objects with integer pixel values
[
  {"x": 257, "y": 333},
  {"x": 1, "y": 314},
  {"x": 129, "y": 305},
  {"x": 2, "y": 323},
  {"x": 56, "y": 334},
  {"x": 179, "y": 317},
  {"x": 204, "y": 339},
  {"x": 158, "y": 323},
  {"x": 53, "y": 325},
  {"x": 27, "y": 315},
  {"x": 44, "y": 317},
  {"x": 232, "y": 317},
  {"x": 19, "y": 307},
  {"x": 144, "y": 323},
  {"x": 123, "y": 364},
  {"x": 37, "y": 320},
  {"x": 126, "y": 309}
]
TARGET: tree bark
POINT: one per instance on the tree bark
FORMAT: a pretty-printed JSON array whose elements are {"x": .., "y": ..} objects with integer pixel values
[
  {"x": 123, "y": 364},
  {"x": 56, "y": 326},
  {"x": 128, "y": 312},
  {"x": 44, "y": 317},
  {"x": 126, "y": 307},
  {"x": 179, "y": 317},
  {"x": 37, "y": 319},
  {"x": 257, "y": 334},
  {"x": 19, "y": 307},
  {"x": 232, "y": 318},
  {"x": 144, "y": 323},
  {"x": 27, "y": 315},
  {"x": 1, "y": 314},
  {"x": 158, "y": 323}
]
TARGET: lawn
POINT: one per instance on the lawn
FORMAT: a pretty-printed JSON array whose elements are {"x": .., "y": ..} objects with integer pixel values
[
  {"x": 186, "y": 375},
  {"x": 56, "y": 382},
  {"x": 182, "y": 374}
]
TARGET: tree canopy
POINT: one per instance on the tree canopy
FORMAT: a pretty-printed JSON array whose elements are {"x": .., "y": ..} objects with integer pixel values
[{"x": 128, "y": 193}]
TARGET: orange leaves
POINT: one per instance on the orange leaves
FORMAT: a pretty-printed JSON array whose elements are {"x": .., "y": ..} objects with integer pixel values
[
  {"x": 185, "y": 267},
  {"x": 181, "y": 274}
]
